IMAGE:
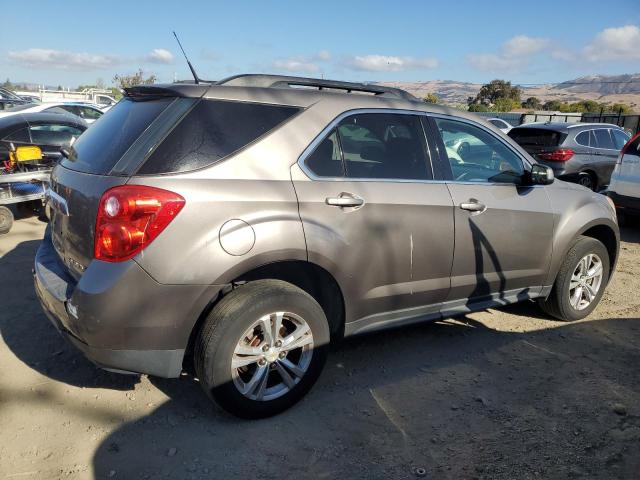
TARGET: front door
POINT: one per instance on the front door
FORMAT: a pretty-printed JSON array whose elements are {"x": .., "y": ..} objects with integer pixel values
[
  {"x": 503, "y": 229},
  {"x": 374, "y": 218}
]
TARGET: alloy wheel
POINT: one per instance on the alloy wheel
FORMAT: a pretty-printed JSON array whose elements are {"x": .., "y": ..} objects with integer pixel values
[
  {"x": 586, "y": 281},
  {"x": 272, "y": 356}
]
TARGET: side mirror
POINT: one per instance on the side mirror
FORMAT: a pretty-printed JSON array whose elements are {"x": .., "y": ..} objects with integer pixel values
[
  {"x": 541, "y": 175},
  {"x": 27, "y": 153}
]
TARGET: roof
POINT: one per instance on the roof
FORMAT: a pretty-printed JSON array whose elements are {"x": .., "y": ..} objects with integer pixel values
[
  {"x": 564, "y": 126},
  {"x": 20, "y": 119}
]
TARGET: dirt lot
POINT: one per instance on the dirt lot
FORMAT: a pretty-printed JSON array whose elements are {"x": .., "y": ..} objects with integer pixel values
[{"x": 502, "y": 394}]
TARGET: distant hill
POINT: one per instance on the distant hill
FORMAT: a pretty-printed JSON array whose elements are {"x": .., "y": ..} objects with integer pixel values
[{"x": 602, "y": 88}]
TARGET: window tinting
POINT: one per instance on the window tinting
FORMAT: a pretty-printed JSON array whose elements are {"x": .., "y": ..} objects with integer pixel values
[
  {"x": 101, "y": 146},
  {"x": 536, "y": 137},
  {"x": 326, "y": 160},
  {"x": 583, "y": 138},
  {"x": 385, "y": 146},
  {"x": 603, "y": 139},
  {"x": 211, "y": 131},
  {"x": 19, "y": 136},
  {"x": 478, "y": 156},
  {"x": 620, "y": 138}
]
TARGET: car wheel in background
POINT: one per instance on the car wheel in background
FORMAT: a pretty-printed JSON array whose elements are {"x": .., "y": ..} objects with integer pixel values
[
  {"x": 581, "y": 281},
  {"x": 6, "y": 220},
  {"x": 587, "y": 180},
  {"x": 261, "y": 348}
]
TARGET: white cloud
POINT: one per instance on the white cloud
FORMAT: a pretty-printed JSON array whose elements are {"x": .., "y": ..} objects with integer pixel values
[
  {"x": 514, "y": 54},
  {"x": 621, "y": 43},
  {"x": 385, "y": 63},
  {"x": 63, "y": 60},
  {"x": 302, "y": 64},
  {"x": 160, "y": 55},
  {"x": 293, "y": 65}
]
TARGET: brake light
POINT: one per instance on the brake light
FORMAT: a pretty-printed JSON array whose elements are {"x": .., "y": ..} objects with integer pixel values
[
  {"x": 559, "y": 155},
  {"x": 626, "y": 147},
  {"x": 130, "y": 217}
]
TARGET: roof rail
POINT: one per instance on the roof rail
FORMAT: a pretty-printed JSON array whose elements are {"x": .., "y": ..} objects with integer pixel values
[{"x": 284, "y": 81}]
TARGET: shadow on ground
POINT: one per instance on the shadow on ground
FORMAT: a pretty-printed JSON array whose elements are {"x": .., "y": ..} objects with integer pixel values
[{"x": 456, "y": 398}]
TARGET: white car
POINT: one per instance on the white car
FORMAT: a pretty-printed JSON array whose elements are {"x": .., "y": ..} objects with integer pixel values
[
  {"x": 88, "y": 112},
  {"x": 501, "y": 124},
  {"x": 624, "y": 188}
]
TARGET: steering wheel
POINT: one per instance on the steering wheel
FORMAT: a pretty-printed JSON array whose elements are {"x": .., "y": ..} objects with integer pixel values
[{"x": 464, "y": 149}]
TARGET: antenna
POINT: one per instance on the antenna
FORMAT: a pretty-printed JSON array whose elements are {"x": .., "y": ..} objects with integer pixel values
[{"x": 193, "y": 71}]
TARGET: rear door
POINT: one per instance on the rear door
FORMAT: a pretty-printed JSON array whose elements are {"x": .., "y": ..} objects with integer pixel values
[
  {"x": 626, "y": 179},
  {"x": 374, "y": 217},
  {"x": 605, "y": 154},
  {"x": 503, "y": 229}
]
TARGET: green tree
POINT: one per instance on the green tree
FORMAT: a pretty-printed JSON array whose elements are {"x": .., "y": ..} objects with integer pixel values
[
  {"x": 489, "y": 93},
  {"x": 620, "y": 107},
  {"x": 478, "y": 107},
  {"x": 505, "y": 105},
  {"x": 552, "y": 105},
  {"x": 431, "y": 98},
  {"x": 8, "y": 85},
  {"x": 533, "y": 103},
  {"x": 138, "y": 78}
]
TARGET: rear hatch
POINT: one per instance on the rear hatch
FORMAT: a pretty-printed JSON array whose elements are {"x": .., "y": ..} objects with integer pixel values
[
  {"x": 536, "y": 141},
  {"x": 103, "y": 157}
]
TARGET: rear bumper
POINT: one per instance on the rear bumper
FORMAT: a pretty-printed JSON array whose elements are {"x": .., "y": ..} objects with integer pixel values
[
  {"x": 624, "y": 202},
  {"x": 122, "y": 319}
]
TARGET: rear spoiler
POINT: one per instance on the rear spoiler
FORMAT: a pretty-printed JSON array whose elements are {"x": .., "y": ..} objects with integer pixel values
[{"x": 147, "y": 92}]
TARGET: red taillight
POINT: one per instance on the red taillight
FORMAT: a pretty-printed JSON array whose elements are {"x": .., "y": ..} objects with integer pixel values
[
  {"x": 130, "y": 217},
  {"x": 559, "y": 155},
  {"x": 626, "y": 147}
]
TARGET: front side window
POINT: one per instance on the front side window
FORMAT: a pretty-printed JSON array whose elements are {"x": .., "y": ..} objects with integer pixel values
[
  {"x": 603, "y": 139},
  {"x": 476, "y": 155}
]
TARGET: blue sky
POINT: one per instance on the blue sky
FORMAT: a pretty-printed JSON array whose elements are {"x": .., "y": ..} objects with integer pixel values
[{"x": 71, "y": 43}]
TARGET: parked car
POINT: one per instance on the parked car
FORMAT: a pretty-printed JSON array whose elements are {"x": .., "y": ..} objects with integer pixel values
[
  {"x": 624, "y": 188},
  {"x": 246, "y": 224},
  {"x": 500, "y": 124},
  {"x": 9, "y": 99},
  {"x": 50, "y": 132},
  {"x": 89, "y": 113},
  {"x": 583, "y": 153}
]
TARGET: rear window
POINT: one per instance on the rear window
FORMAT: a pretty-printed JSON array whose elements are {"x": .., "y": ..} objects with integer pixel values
[
  {"x": 537, "y": 137},
  {"x": 101, "y": 146},
  {"x": 603, "y": 139},
  {"x": 213, "y": 130}
]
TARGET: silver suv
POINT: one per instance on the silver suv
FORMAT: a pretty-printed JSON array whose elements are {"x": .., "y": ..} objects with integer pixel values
[{"x": 246, "y": 224}]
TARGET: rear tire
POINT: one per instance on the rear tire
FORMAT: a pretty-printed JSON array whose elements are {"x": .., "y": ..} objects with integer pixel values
[
  {"x": 573, "y": 281},
  {"x": 588, "y": 180},
  {"x": 6, "y": 220},
  {"x": 258, "y": 326}
]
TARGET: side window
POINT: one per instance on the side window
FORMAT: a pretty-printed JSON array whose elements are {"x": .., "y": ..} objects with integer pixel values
[
  {"x": 384, "y": 146},
  {"x": 89, "y": 113},
  {"x": 620, "y": 138},
  {"x": 326, "y": 160},
  {"x": 55, "y": 135},
  {"x": 19, "y": 136},
  {"x": 583, "y": 138},
  {"x": 476, "y": 155},
  {"x": 603, "y": 139}
]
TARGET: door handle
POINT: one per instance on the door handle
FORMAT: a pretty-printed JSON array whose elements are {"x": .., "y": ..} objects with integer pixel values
[
  {"x": 473, "y": 206},
  {"x": 345, "y": 200}
]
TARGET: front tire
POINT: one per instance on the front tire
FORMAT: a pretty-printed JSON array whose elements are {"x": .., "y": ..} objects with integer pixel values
[
  {"x": 6, "y": 220},
  {"x": 261, "y": 348},
  {"x": 581, "y": 281}
]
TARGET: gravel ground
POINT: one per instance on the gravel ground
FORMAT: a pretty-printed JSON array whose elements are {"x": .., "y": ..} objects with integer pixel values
[{"x": 501, "y": 394}]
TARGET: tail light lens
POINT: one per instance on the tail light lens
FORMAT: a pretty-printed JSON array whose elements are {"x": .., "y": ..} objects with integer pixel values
[
  {"x": 559, "y": 155},
  {"x": 130, "y": 217},
  {"x": 626, "y": 147}
]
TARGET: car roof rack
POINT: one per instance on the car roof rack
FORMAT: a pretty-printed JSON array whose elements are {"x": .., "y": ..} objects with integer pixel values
[{"x": 284, "y": 81}]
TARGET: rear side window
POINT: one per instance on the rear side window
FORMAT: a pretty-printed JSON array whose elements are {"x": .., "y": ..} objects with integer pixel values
[
  {"x": 620, "y": 138},
  {"x": 212, "y": 131},
  {"x": 536, "y": 137},
  {"x": 603, "y": 139},
  {"x": 101, "y": 146},
  {"x": 326, "y": 159}
]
